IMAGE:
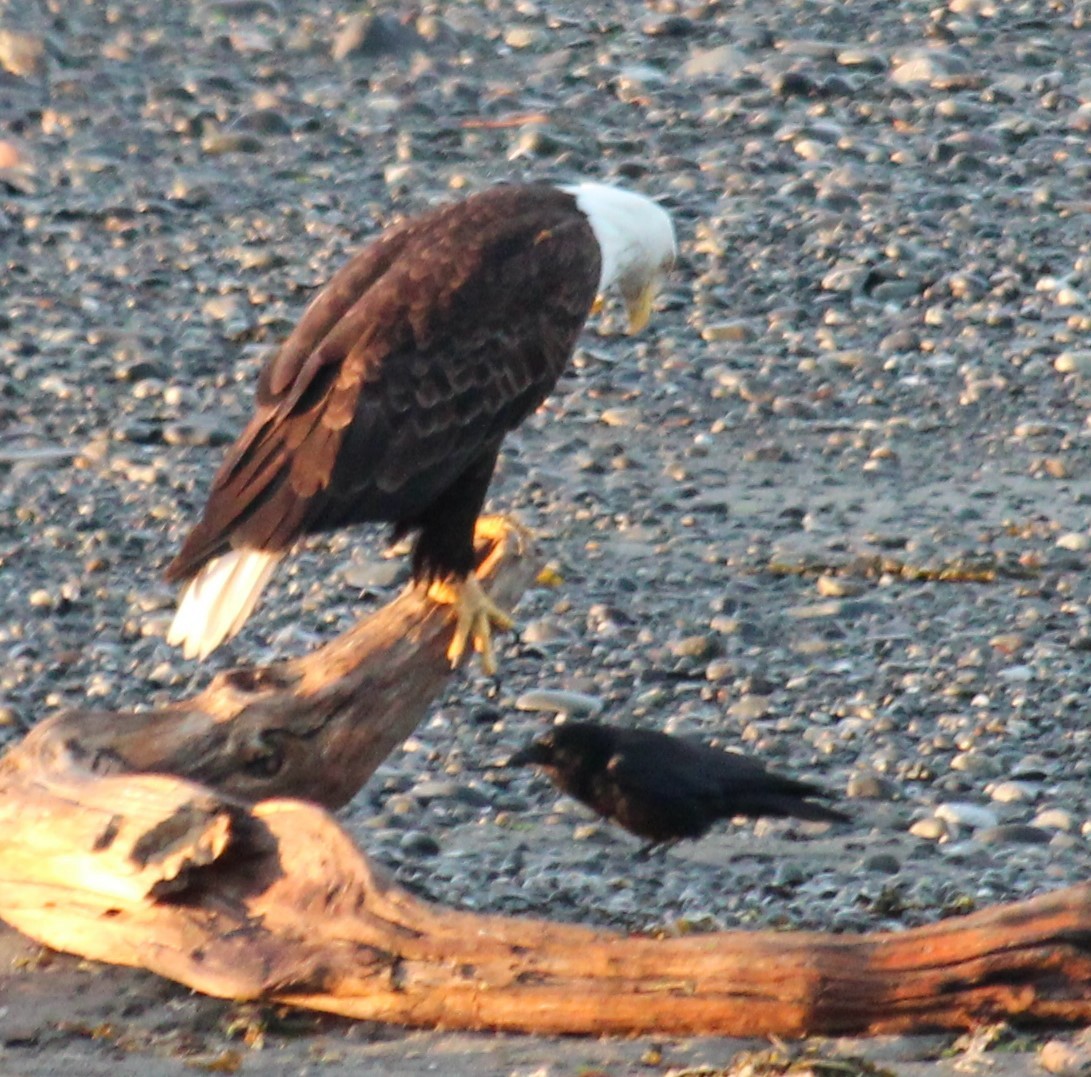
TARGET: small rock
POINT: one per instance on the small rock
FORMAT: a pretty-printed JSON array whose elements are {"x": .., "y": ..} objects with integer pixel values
[
  {"x": 1074, "y": 541},
  {"x": 1074, "y": 362},
  {"x": 868, "y": 787},
  {"x": 977, "y": 763},
  {"x": 1031, "y": 767},
  {"x": 1020, "y": 674},
  {"x": 537, "y": 140},
  {"x": 542, "y": 630},
  {"x": 724, "y": 61},
  {"x": 218, "y": 143},
  {"x": 35, "y": 456},
  {"x": 376, "y": 573},
  {"x": 750, "y": 708},
  {"x": 720, "y": 669},
  {"x": 1011, "y": 792},
  {"x": 21, "y": 54},
  {"x": 668, "y": 26},
  {"x": 961, "y": 813},
  {"x": 139, "y": 432},
  {"x": 790, "y": 874},
  {"x": 794, "y": 84},
  {"x": 439, "y": 789},
  {"x": 1055, "y": 819},
  {"x": 883, "y": 863},
  {"x": 417, "y": 843},
  {"x": 368, "y": 35},
  {"x": 702, "y": 647},
  {"x": 262, "y": 121},
  {"x": 559, "y": 701},
  {"x": 837, "y": 587},
  {"x": 735, "y": 331},
  {"x": 619, "y": 417},
  {"x": 1013, "y": 833},
  {"x": 1033, "y": 428},
  {"x": 12, "y": 155},
  {"x": 1065, "y": 1059},
  {"x": 816, "y": 611},
  {"x": 867, "y": 59},
  {"x": 931, "y": 67},
  {"x": 929, "y": 828},
  {"x": 197, "y": 430},
  {"x": 524, "y": 37}
]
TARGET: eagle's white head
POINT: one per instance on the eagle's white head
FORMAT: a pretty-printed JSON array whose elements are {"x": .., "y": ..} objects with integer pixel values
[{"x": 636, "y": 238}]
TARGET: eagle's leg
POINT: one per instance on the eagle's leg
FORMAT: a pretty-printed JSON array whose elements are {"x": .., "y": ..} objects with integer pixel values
[
  {"x": 445, "y": 558},
  {"x": 476, "y": 615}
]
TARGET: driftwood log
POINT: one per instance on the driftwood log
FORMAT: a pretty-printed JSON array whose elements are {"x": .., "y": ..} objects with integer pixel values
[{"x": 165, "y": 840}]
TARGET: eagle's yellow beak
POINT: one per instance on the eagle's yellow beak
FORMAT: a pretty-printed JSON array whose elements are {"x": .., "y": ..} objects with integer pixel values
[{"x": 639, "y": 307}]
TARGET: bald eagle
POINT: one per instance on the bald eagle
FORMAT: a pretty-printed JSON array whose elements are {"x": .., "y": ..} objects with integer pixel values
[{"x": 391, "y": 397}]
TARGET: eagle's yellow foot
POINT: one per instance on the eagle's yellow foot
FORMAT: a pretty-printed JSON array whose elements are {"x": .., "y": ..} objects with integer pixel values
[{"x": 477, "y": 614}]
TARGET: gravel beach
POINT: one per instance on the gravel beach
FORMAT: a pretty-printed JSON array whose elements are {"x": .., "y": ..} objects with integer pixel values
[{"x": 833, "y": 508}]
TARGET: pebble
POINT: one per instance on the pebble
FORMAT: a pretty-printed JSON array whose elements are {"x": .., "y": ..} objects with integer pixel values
[
  {"x": 1011, "y": 792},
  {"x": 433, "y": 789},
  {"x": 750, "y": 708},
  {"x": 1064, "y": 1058},
  {"x": 370, "y": 35},
  {"x": 930, "y": 828},
  {"x": 932, "y": 67},
  {"x": 1074, "y": 362},
  {"x": 869, "y": 787},
  {"x": 559, "y": 701},
  {"x": 883, "y": 863},
  {"x": 417, "y": 843},
  {"x": 263, "y": 121},
  {"x": 1074, "y": 541},
  {"x": 1055, "y": 819},
  {"x": 21, "y": 54},
  {"x": 524, "y": 37},
  {"x": 197, "y": 430},
  {"x": 699, "y": 647},
  {"x": 378, "y": 573},
  {"x": 1013, "y": 833},
  {"x": 35, "y": 456},
  {"x": 1034, "y": 428},
  {"x": 817, "y": 611},
  {"x": 837, "y": 587},
  {"x": 736, "y": 332},
  {"x": 979, "y": 764},
  {"x": 723, "y": 61},
  {"x": 218, "y": 143},
  {"x": 960, "y": 813},
  {"x": 543, "y": 630}
]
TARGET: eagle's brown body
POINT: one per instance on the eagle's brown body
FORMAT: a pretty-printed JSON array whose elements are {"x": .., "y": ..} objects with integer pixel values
[{"x": 391, "y": 397}]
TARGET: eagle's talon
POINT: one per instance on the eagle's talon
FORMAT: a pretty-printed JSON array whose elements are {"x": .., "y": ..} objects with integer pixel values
[{"x": 476, "y": 616}]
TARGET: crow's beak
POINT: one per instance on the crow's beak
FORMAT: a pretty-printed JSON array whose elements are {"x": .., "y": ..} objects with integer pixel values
[{"x": 532, "y": 755}]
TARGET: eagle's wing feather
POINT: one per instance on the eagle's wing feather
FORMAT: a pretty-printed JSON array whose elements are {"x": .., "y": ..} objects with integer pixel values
[{"x": 415, "y": 359}]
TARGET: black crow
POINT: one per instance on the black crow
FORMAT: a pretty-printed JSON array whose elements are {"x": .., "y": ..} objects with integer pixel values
[{"x": 663, "y": 788}]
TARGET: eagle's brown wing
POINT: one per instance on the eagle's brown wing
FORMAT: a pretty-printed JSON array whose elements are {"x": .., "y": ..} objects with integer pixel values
[{"x": 414, "y": 360}]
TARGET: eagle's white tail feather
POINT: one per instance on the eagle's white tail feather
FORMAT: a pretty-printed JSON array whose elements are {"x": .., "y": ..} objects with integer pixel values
[{"x": 214, "y": 605}]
